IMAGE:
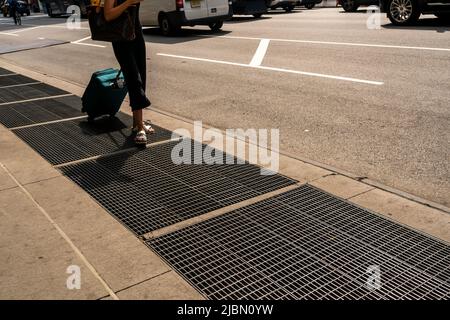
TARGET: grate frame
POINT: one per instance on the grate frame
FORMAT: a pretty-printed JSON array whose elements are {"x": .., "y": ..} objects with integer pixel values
[
  {"x": 31, "y": 91},
  {"x": 264, "y": 251},
  {"x": 146, "y": 191},
  {"x": 15, "y": 79},
  {"x": 73, "y": 140},
  {"x": 5, "y": 72},
  {"x": 33, "y": 112}
]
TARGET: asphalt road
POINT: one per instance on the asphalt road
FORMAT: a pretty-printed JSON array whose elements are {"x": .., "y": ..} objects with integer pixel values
[{"x": 372, "y": 102}]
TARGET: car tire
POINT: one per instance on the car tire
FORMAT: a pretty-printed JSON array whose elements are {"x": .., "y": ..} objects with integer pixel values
[
  {"x": 350, "y": 5},
  {"x": 403, "y": 12},
  {"x": 167, "y": 27},
  {"x": 216, "y": 26},
  {"x": 309, "y": 6},
  {"x": 289, "y": 8},
  {"x": 257, "y": 15}
]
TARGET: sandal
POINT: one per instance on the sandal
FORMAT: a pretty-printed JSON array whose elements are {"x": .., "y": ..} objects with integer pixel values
[
  {"x": 147, "y": 128},
  {"x": 140, "y": 138}
]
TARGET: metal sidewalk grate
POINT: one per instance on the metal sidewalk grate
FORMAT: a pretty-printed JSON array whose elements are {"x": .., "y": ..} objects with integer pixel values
[
  {"x": 306, "y": 244},
  {"x": 26, "y": 113},
  {"x": 14, "y": 80},
  {"x": 31, "y": 91},
  {"x": 71, "y": 140},
  {"x": 4, "y": 71},
  {"x": 146, "y": 191}
]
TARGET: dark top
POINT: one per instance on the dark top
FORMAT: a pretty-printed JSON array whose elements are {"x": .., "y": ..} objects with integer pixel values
[{"x": 137, "y": 22}]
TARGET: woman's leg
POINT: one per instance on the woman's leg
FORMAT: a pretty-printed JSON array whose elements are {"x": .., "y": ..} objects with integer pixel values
[
  {"x": 141, "y": 63},
  {"x": 127, "y": 54},
  {"x": 138, "y": 120}
]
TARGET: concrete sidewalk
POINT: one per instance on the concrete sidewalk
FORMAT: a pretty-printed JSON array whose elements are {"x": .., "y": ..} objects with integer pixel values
[{"x": 49, "y": 224}]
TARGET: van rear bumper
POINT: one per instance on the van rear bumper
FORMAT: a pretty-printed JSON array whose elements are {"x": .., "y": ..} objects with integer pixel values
[{"x": 179, "y": 18}]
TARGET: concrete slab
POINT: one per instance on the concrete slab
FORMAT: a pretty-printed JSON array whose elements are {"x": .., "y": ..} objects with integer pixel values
[
  {"x": 22, "y": 161},
  {"x": 341, "y": 186},
  {"x": 35, "y": 257},
  {"x": 5, "y": 181},
  {"x": 117, "y": 255},
  {"x": 168, "y": 286},
  {"x": 426, "y": 219},
  {"x": 301, "y": 171}
]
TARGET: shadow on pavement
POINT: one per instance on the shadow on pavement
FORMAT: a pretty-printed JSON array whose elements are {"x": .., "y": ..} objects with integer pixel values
[
  {"x": 185, "y": 35},
  {"x": 241, "y": 19},
  {"x": 432, "y": 24}
]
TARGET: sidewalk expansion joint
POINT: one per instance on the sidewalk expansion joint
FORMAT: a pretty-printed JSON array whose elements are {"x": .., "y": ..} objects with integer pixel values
[
  {"x": 140, "y": 282},
  {"x": 216, "y": 213},
  {"x": 61, "y": 233}
]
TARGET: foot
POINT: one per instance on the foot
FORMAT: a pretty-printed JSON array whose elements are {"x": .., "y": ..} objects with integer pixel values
[
  {"x": 140, "y": 138},
  {"x": 146, "y": 127}
]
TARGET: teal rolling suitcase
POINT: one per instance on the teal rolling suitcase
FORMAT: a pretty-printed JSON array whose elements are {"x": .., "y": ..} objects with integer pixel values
[{"x": 104, "y": 94}]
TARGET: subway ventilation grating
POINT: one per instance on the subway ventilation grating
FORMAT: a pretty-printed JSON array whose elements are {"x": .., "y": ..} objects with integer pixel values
[
  {"x": 307, "y": 244},
  {"x": 15, "y": 79},
  {"x": 72, "y": 140},
  {"x": 4, "y": 72},
  {"x": 31, "y": 91},
  {"x": 146, "y": 191},
  {"x": 32, "y": 112}
]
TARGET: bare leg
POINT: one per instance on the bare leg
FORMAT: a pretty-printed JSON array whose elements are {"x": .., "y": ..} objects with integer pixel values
[{"x": 138, "y": 121}]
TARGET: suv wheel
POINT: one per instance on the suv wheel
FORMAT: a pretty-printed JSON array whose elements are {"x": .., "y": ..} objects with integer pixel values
[
  {"x": 257, "y": 15},
  {"x": 350, "y": 5},
  {"x": 309, "y": 6},
  {"x": 403, "y": 12}
]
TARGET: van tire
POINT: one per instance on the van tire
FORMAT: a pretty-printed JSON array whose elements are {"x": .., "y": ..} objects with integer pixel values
[
  {"x": 167, "y": 28},
  {"x": 257, "y": 15},
  {"x": 216, "y": 26}
]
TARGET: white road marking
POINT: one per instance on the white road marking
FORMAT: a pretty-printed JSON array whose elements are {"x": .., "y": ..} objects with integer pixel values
[
  {"x": 9, "y": 34},
  {"x": 25, "y": 29},
  {"x": 336, "y": 43},
  {"x": 260, "y": 53},
  {"x": 7, "y": 74},
  {"x": 312, "y": 74},
  {"x": 19, "y": 85},
  {"x": 87, "y": 44}
]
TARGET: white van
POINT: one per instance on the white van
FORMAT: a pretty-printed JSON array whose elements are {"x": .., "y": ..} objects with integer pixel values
[{"x": 171, "y": 15}]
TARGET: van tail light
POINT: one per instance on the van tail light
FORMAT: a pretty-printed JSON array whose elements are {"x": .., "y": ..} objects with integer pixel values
[{"x": 179, "y": 4}]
